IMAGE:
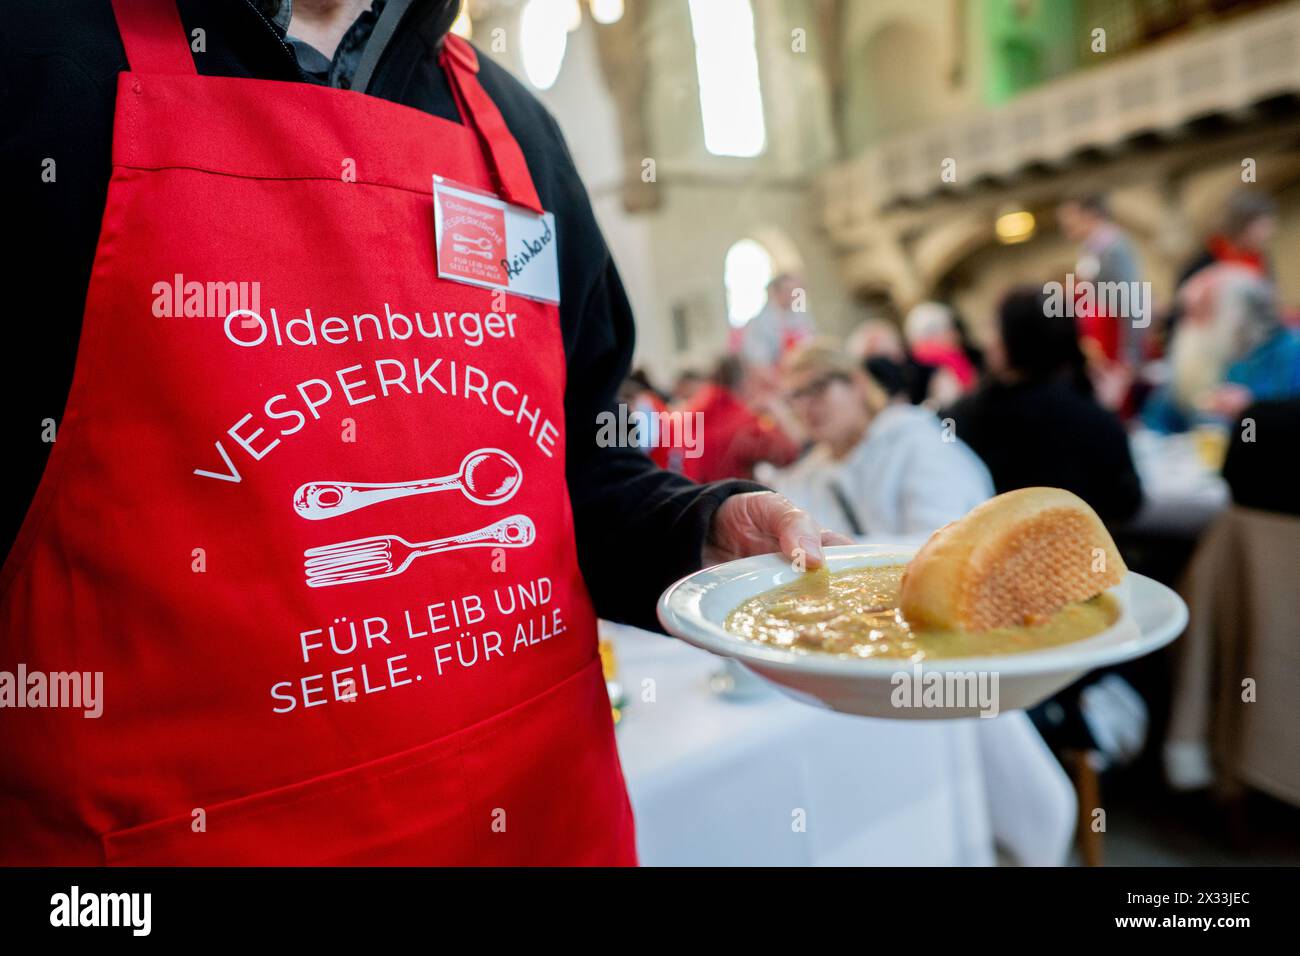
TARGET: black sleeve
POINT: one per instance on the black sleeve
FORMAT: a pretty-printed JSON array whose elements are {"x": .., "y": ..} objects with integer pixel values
[
  {"x": 57, "y": 89},
  {"x": 639, "y": 528},
  {"x": 1260, "y": 466}
]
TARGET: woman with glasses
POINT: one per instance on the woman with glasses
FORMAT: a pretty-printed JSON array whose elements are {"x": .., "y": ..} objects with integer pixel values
[{"x": 878, "y": 466}]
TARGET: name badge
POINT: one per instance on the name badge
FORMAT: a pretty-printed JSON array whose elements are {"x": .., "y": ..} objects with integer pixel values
[{"x": 486, "y": 242}]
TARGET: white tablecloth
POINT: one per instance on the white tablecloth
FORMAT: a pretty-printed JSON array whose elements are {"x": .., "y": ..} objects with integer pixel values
[
  {"x": 721, "y": 782},
  {"x": 1181, "y": 495}
]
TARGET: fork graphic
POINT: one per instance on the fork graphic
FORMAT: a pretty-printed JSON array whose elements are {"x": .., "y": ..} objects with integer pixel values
[{"x": 386, "y": 555}]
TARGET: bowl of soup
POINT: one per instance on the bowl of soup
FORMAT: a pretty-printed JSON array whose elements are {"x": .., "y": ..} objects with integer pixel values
[{"x": 836, "y": 638}]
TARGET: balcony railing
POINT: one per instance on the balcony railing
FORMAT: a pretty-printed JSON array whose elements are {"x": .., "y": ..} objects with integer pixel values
[{"x": 1222, "y": 70}]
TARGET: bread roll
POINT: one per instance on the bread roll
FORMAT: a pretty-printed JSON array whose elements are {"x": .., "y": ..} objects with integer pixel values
[{"x": 1016, "y": 559}]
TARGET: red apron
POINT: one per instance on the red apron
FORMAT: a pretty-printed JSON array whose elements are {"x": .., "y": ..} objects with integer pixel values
[{"x": 298, "y": 668}]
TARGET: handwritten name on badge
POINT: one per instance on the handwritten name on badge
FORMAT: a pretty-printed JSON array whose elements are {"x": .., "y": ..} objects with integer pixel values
[
  {"x": 529, "y": 249},
  {"x": 484, "y": 241}
]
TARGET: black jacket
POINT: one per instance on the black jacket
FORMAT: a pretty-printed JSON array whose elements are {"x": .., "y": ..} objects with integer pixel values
[
  {"x": 1049, "y": 433},
  {"x": 638, "y": 528},
  {"x": 1260, "y": 466}
]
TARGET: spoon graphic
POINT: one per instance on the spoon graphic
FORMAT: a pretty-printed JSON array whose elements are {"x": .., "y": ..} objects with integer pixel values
[{"x": 488, "y": 476}]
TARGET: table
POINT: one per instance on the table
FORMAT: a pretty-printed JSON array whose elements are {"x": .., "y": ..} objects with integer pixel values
[
  {"x": 721, "y": 782},
  {"x": 1181, "y": 494}
]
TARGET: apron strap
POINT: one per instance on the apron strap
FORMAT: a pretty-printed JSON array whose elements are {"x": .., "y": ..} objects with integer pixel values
[
  {"x": 504, "y": 155},
  {"x": 155, "y": 42},
  {"x": 381, "y": 33},
  {"x": 154, "y": 37}
]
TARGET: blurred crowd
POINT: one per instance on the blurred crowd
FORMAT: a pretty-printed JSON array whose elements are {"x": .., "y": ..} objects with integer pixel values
[{"x": 904, "y": 426}]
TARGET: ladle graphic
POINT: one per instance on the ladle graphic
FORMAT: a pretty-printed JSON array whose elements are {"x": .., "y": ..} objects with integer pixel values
[{"x": 488, "y": 476}]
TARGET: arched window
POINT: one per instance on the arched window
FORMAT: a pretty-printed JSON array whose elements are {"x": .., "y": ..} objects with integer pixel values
[
  {"x": 746, "y": 273},
  {"x": 726, "y": 60}
]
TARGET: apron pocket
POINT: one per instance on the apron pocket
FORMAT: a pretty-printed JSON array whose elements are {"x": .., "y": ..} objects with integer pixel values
[
  {"x": 539, "y": 783},
  {"x": 546, "y": 786},
  {"x": 404, "y": 810}
]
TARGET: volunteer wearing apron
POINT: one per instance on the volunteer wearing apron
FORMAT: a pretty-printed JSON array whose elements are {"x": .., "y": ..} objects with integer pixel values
[{"x": 318, "y": 546}]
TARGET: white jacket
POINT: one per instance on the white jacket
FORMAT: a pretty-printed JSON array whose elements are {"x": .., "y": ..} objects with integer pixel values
[{"x": 902, "y": 481}]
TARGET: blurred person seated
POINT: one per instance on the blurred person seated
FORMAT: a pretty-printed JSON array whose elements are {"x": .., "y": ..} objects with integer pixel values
[
  {"x": 880, "y": 341},
  {"x": 1249, "y": 223},
  {"x": 639, "y": 394},
  {"x": 734, "y": 436},
  {"x": 1230, "y": 348},
  {"x": 876, "y": 338},
  {"x": 894, "y": 378},
  {"x": 936, "y": 345},
  {"x": 879, "y": 466},
  {"x": 1036, "y": 422},
  {"x": 687, "y": 384}
]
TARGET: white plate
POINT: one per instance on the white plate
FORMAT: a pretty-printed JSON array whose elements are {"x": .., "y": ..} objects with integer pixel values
[{"x": 695, "y": 608}]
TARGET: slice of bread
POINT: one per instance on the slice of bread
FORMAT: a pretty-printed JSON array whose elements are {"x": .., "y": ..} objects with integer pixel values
[{"x": 1016, "y": 559}]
